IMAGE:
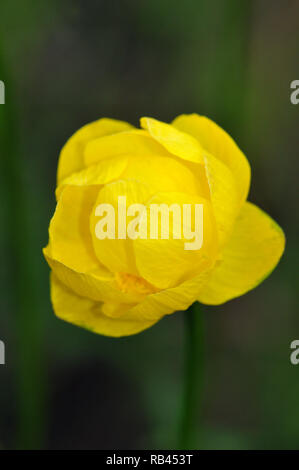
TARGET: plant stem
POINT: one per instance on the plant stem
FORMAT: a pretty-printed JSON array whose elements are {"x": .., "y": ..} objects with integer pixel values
[{"x": 193, "y": 373}]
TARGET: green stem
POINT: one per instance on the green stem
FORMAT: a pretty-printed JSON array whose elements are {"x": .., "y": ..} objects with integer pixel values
[{"x": 193, "y": 373}]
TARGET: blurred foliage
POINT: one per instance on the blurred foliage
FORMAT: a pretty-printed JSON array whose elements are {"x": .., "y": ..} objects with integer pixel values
[{"x": 68, "y": 63}]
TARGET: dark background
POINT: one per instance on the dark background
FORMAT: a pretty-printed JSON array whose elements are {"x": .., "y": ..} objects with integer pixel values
[{"x": 66, "y": 63}]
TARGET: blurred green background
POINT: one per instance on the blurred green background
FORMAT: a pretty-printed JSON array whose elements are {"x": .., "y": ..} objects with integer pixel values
[{"x": 67, "y": 63}]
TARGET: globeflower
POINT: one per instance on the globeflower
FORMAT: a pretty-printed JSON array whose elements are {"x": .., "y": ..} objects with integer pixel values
[{"x": 118, "y": 286}]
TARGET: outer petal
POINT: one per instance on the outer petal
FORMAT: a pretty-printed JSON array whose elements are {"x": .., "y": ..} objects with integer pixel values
[
  {"x": 126, "y": 321},
  {"x": 70, "y": 252},
  {"x": 89, "y": 314},
  {"x": 71, "y": 156},
  {"x": 217, "y": 142},
  {"x": 178, "y": 143},
  {"x": 69, "y": 234},
  {"x": 253, "y": 251}
]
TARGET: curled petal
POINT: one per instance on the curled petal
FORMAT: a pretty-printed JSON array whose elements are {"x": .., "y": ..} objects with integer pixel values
[
  {"x": 217, "y": 142},
  {"x": 71, "y": 159},
  {"x": 176, "y": 142}
]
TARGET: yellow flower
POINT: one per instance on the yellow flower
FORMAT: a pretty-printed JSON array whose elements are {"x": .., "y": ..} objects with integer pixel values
[{"x": 119, "y": 287}]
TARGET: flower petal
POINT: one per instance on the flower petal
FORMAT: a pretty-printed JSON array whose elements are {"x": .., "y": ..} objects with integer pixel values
[
  {"x": 98, "y": 285},
  {"x": 71, "y": 156},
  {"x": 89, "y": 314},
  {"x": 176, "y": 142},
  {"x": 136, "y": 142},
  {"x": 70, "y": 251},
  {"x": 117, "y": 253},
  {"x": 122, "y": 320},
  {"x": 224, "y": 197},
  {"x": 217, "y": 142},
  {"x": 98, "y": 174},
  {"x": 163, "y": 174},
  {"x": 69, "y": 233},
  {"x": 170, "y": 300},
  {"x": 167, "y": 262},
  {"x": 251, "y": 254}
]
